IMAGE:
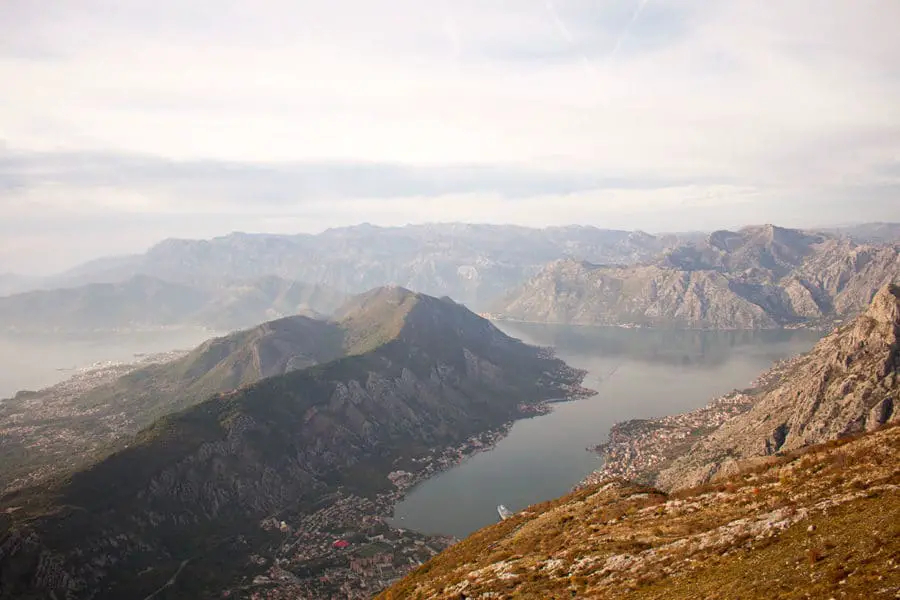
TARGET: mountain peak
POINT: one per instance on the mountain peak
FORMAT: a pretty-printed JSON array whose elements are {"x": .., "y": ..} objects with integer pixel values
[
  {"x": 376, "y": 317},
  {"x": 885, "y": 307},
  {"x": 377, "y": 300}
]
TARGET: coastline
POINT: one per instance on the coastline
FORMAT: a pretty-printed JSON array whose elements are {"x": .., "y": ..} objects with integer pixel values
[
  {"x": 59, "y": 397},
  {"x": 812, "y": 326},
  {"x": 394, "y": 550},
  {"x": 639, "y": 449},
  {"x": 452, "y": 456}
]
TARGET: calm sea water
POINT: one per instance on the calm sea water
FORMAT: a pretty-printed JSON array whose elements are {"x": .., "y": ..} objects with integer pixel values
[
  {"x": 32, "y": 362},
  {"x": 637, "y": 373}
]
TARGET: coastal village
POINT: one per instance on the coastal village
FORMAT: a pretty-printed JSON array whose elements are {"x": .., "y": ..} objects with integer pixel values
[
  {"x": 31, "y": 415},
  {"x": 638, "y": 450},
  {"x": 347, "y": 549}
]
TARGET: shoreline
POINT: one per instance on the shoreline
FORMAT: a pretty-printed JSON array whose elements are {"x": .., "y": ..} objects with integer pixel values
[
  {"x": 392, "y": 550},
  {"x": 639, "y": 449},
  {"x": 827, "y": 326},
  {"x": 99, "y": 373},
  {"x": 453, "y": 456}
]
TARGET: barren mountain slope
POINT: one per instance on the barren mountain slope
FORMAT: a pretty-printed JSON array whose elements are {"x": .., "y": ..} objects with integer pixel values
[
  {"x": 849, "y": 382},
  {"x": 820, "y": 523}
]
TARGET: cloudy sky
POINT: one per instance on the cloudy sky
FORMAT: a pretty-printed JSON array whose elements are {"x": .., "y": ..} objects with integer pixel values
[{"x": 123, "y": 122}]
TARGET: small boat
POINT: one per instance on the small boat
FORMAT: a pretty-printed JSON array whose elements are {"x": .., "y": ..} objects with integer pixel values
[{"x": 504, "y": 512}]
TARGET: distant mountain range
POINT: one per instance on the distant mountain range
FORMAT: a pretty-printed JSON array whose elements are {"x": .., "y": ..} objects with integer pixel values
[
  {"x": 410, "y": 375},
  {"x": 869, "y": 233},
  {"x": 148, "y": 302},
  {"x": 473, "y": 264},
  {"x": 758, "y": 277}
]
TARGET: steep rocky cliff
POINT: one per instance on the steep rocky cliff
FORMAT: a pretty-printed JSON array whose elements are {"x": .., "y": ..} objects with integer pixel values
[
  {"x": 759, "y": 277},
  {"x": 849, "y": 382},
  {"x": 193, "y": 486},
  {"x": 821, "y": 523},
  {"x": 584, "y": 294}
]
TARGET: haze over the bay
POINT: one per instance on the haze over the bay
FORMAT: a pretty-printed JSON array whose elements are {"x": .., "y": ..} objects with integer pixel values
[{"x": 126, "y": 123}]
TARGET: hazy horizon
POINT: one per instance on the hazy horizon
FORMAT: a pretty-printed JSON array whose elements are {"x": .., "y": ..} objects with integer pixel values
[
  {"x": 132, "y": 123},
  {"x": 13, "y": 272}
]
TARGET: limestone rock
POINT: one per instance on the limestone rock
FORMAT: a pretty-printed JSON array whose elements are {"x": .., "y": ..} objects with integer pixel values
[
  {"x": 759, "y": 277},
  {"x": 848, "y": 383}
]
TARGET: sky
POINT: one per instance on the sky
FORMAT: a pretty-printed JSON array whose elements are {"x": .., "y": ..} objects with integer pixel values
[{"x": 124, "y": 122}]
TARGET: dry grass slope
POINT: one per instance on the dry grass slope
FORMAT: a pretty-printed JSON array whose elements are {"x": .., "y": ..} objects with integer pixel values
[{"x": 823, "y": 522}]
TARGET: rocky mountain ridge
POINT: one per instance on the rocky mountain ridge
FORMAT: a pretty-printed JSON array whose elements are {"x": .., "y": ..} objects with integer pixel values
[
  {"x": 756, "y": 278},
  {"x": 192, "y": 488},
  {"x": 472, "y": 263},
  {"x": 476, "y": 264},
  {"x": 849, "y": 382}
]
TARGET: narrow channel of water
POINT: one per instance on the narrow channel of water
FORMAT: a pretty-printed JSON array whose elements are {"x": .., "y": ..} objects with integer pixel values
[{"x": 638, "y": 373}]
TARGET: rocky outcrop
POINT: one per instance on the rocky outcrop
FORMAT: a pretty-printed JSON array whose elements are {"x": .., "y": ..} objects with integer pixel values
[
  {"x": 584, "y": 294},
  {"x": 195, "y": 484},
  {"x": 848, "y": 383},
  {"x": 759, "y": 277}
]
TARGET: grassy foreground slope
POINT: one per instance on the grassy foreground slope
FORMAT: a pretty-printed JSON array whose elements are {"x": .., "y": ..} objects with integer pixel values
[{"x": 823, "y": 522}]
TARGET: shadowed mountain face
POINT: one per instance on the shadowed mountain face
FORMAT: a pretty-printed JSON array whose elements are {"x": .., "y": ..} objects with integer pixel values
[
  {"x": 424, "y": 373},
  {"x": 759, "y": 277},
  {"x": 474, "y": 264},
  {"x": 61, "y": 428},
  {"x": 142, "y": 302}
]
